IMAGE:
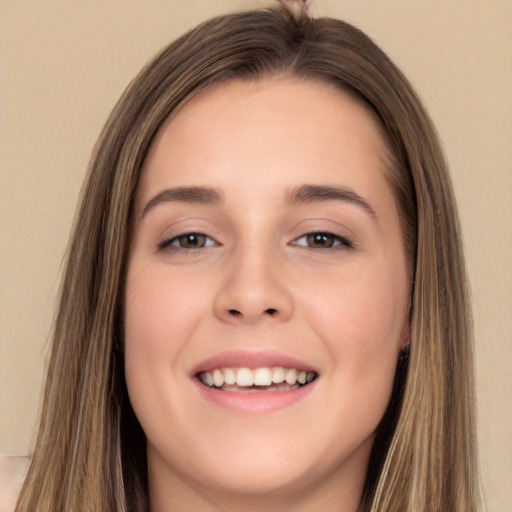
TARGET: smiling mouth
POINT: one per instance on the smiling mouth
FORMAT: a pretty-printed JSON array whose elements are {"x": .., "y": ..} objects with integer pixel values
[{"x": 247, "y": 380}]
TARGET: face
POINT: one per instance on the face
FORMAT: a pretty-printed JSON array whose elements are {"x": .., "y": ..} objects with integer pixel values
[{"x": 266, "y": 246}]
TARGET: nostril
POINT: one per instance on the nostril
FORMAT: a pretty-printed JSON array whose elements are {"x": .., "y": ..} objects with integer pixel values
[{"x": 238, "y": 314}]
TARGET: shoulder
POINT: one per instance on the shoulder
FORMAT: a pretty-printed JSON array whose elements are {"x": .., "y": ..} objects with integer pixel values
[{"x": 12, "y": 473}]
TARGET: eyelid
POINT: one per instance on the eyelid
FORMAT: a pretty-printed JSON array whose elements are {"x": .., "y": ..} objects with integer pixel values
[
  {"x": 340, "y": 241},
  {"x": 172, "y": 242}
]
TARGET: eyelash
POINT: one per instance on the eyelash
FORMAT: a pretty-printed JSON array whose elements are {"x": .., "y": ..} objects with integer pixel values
[
  {"x": 174, "y": 243},
  {"x": 336, "y": 241}
]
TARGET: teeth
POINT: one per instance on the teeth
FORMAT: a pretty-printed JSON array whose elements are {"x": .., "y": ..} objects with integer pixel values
[
  {"x": 208, "y": 379},
  {"x": 291, "y": 376},
  {"x": 246, "y": 378},
  {"x": 218, "y": 378},
  {"x": 278, "y": 375},
  {"x": 229, "y": 376},
  {"x": 262, "y": 377}
]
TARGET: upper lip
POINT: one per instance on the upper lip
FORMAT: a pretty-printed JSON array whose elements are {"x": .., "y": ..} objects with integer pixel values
[{"x": 251, "y": 359}]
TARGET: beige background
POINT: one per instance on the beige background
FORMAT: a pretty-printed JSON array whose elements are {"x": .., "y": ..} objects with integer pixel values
[{"x": 63, "y": 64}]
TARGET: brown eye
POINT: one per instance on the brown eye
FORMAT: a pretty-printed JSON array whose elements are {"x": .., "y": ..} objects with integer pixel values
[
  {"x": 191, "y": 241},
  {"x": 187, "y": 241},
  {"x": 323, "y": 240},
  {"x": 320, "y": 240}
]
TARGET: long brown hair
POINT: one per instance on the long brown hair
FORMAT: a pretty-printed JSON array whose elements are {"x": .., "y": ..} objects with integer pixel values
[{"x": 90, "y": 449}]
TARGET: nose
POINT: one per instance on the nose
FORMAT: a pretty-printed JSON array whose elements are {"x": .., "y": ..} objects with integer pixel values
[{"x": 253, "y": 289}]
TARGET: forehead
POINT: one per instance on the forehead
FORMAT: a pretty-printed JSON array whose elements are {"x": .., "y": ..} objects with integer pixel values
[{"x": 280, "y": 128}]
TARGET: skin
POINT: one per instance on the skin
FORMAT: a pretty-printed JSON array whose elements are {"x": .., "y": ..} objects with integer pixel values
[{"x": 258, "y": 286}]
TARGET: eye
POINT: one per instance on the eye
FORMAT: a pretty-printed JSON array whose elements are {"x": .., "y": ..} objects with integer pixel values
[
  {"x": 322, "y": 240},
  {"x": 187, "y": 241}
]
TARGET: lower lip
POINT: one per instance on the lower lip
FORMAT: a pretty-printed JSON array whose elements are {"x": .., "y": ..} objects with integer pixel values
[{"x": 257, "y": 402}]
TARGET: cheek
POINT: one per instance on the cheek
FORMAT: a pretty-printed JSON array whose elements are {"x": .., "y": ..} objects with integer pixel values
[
  {"x": 365, "y": 311},
  {"x": 162, "y": 311},
  {"x": 360, "y": 318}
]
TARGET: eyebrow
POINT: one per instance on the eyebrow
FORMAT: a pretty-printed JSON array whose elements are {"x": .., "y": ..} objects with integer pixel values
[
  {"x": 201, "y": 195},
  {"x": 314, "y": 193},
  {"x": 298, "y": 195}
]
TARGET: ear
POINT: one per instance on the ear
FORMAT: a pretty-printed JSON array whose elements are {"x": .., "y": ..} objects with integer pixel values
[{"x": 405, "y": 337}]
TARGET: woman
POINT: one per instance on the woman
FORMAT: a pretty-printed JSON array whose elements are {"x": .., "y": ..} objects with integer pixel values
[{"x": 279, "y": 190}]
